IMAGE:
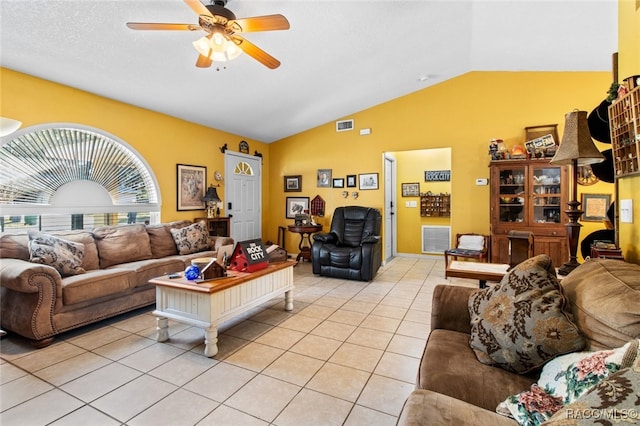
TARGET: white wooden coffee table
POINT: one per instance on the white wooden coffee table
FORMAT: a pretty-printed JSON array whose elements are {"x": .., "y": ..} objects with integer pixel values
[
  {"x": 480, "y": 271},
  {"x": 210, "y": 303}
]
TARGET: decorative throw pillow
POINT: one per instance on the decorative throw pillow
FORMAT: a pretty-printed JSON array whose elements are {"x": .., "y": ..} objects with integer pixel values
[
  {"x": 66, "y": 256},
  {"x": 192, "y": 238},
  {"x": 613, "y": 400},
  {"x": 521, "y": 323},
  {"x": 564, "y": 380}
]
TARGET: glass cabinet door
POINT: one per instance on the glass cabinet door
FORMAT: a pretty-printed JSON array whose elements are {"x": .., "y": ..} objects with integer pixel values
[
  {"x": 512, "y": 197},
  {"x": 546, "y": 194}
]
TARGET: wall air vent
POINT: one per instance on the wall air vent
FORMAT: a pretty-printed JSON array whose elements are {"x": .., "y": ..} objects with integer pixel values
[{"x": 344, "y": 125}]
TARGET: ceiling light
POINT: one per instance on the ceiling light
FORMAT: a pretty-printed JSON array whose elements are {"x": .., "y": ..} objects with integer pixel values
[
  {"x": 8, "y": 126},
  {"x": 218, "y": 47}
]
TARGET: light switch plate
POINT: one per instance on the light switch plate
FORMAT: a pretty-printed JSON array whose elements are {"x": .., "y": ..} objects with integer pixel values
[
  {"x": 626, "y": 211},
  {"x": 482, "y": 181}
]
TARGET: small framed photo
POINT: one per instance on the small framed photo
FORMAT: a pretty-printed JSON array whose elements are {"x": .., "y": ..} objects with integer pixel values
[
  {"x": 411, "y": 189},
  {"x": 338, "y": 183},
  {"x": 368, "y": 181},
  {"x": 351, "y": 181},
  {"x": 293, "y": 183},
  {"x": 296, "y": 205},
  {"x": 192, "y": 185},
  {"x": 324, "y": 178},
  {"x": 595, "y": 207}
]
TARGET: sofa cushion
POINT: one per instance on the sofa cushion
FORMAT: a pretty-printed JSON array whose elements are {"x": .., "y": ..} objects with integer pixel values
[
  {"x": 423, "y": 408},
  {"x": 449, "y": 366},
  {"x": 122, "y": 244},
  {"x": 161, "y": 240},
  {"x": 613, "y": 400},
  {"x": 605, "y": 296},
  {"x": 564, "y": 380},
  {"x": 95, "y": 284},
  {"x": 192, "y": 238},
  {"x": 150, "y": 268},
  {"x": 65, "y": 256},
  {"x": 14, "y": 246},
  {"x": 91, "y": 260},
  {"x": 521, "y": 323}
]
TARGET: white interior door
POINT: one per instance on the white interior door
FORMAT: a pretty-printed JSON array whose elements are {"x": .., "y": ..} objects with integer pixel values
[
  {"x": 243, "y": 190},
  {"x": 389, "y": 207}
]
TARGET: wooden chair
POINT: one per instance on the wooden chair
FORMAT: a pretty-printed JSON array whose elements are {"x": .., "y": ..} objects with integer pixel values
[
  {"x": 469, "y": 246},
  {"x": 520, "y": 247}
]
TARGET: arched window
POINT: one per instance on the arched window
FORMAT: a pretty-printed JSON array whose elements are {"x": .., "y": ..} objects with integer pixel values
[{"x": 67, "y": 176}]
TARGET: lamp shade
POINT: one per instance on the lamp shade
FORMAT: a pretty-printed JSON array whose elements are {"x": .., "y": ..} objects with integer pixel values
[
  {"x": 211, "y": 195},
  {"x": 576, "y": 142}
]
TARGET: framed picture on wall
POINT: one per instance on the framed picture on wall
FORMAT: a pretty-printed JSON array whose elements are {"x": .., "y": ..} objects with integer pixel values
[
  {"x": 595, "y": 207},
  {"x": 192, "y": 185},
  {"x": 368, "y": 181},
  {"x": 352, "y": 181},
  {"x": 324, "y": 178},
  {"x": 293, "y": 183},
  {"x": 411, "y": 189},
  {"x": 296, "y": 205},
  {"x": 338, "y": 183}
]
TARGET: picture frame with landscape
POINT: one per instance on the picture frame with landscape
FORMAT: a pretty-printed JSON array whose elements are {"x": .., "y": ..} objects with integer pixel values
[
  {"x": 296, "y": 205},
  {"x": 293, "y": 183}
]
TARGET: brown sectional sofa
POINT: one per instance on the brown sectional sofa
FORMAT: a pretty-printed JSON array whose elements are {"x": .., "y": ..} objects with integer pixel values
[
  {"x": 454, "y": 388},
  {"x": 38, "y": 303}
]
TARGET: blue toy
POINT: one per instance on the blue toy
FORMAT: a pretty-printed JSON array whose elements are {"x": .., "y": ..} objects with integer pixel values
[{"x": 192, "y": 272}]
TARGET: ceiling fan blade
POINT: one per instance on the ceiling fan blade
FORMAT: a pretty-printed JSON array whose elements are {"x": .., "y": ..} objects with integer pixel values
[
  {"x": 203, "y": 62},
  {"x": 162, "y": 26},
  {"x": 197, "y": 7},
  {"x": 259, "y": 23},
  {"x": 256, "y": 53}
]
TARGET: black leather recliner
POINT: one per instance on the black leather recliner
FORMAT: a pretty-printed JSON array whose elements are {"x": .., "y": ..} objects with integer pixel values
[{"x": 352, "y": 249}]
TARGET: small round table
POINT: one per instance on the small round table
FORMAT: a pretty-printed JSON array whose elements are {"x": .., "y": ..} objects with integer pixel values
[{"x": 305, "y": 232}]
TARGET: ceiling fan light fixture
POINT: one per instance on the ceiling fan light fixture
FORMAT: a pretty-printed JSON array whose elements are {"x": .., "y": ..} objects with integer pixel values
[{"x": 217, "y": 47}]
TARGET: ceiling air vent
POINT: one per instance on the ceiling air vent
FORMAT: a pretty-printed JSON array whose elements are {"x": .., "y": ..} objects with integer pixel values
[{"x": 344, "y": 125}]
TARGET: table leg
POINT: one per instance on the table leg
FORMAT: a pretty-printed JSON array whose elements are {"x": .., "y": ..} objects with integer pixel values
[
  {"x": 210, "y": 341},
  {"x": 288, "y": 300},
  {"x": 163, "y": 329}
]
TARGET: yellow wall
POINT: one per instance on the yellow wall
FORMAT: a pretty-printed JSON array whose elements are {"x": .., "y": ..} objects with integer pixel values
[
  {"x": 463, "y": 113},
  {"x": 411, "y": 166},
  {"x": 162, "y": 140},
  {"x": 628, "y": 65}
]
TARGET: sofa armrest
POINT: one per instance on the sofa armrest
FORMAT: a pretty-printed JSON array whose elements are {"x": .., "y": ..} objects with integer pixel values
[
  {"x": 449, "y": 308},
  {"x": 31, "y": 293},
  {"x": 217, "y": 242},
  {"x": 326, "y": 237},
  {"x": 371, "y": 239}
]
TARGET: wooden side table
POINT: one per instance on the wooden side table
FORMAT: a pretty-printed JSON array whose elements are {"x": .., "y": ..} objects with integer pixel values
[
  {"x": 218, "y": 226},
  {"x": 305, "y": 232}
]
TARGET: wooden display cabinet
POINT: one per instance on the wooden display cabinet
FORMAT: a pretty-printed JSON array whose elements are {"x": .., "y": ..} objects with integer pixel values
[
  {"x": 624, "y": 122},
  {"x": 218, "y": 226},
  {"x": 529, "y": 195}
]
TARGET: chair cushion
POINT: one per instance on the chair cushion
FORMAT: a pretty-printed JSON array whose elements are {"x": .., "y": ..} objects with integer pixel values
[
  {"x": 471, "y": 242},
  {"x": 521, "y": 323}
]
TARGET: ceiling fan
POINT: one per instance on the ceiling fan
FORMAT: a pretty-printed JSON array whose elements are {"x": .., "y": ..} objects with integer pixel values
[{"x": 222, "y": 43}]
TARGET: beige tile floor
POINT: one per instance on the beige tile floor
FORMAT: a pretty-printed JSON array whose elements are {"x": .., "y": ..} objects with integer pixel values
[{"x": 346, "y": 355}]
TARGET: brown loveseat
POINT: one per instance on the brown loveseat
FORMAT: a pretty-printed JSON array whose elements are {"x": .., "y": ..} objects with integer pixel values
[
  {"x": 454, "y": 388},
  {"x": 38, "y": 303}
]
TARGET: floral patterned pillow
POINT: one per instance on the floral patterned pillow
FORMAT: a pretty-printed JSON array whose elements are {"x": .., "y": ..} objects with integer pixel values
[
  {"x": 66, "y": 256},
  {"x": 564, "y": 380},
  {"x": 192, "y": 238},
  {"x": 614, "y": 399},
  {"x": 521, "y": 323}
]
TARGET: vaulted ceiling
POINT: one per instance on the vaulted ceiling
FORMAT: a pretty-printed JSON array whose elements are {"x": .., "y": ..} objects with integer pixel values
[{"x": 338, "y": 57}]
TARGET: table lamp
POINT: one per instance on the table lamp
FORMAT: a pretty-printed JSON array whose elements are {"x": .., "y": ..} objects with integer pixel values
[
  {"x": 211, "y": 199},
  {"x": 577, "y": 149}
]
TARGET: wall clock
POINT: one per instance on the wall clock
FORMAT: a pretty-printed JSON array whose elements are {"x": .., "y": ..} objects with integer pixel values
[
  {"x": 586, "y": 176},
  {"x": 243, "y": 147}
]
